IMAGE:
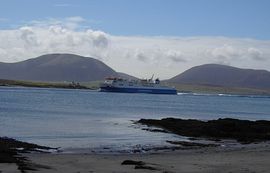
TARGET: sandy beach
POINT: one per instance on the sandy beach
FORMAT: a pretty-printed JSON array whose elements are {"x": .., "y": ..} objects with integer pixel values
[{"x": 248, "y": 158}]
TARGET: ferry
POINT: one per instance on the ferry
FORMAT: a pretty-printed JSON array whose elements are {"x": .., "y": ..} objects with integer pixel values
[{"x": 149, "y": 86}]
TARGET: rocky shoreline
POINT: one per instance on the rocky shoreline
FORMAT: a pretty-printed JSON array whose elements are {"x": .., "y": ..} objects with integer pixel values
[
  {"x": 11, "y": 151},
  {"x": 243, "y": 131}
]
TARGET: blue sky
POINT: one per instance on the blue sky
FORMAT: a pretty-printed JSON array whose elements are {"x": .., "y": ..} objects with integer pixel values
[
  {"x": 140, "y": 37},
  {"x": 230, "y": 18}
]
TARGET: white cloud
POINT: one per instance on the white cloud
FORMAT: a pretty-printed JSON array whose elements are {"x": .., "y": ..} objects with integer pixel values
[
  {"x": 256, "y": 54},
  {"x": 139, "y": 56},
  {"x": 99, "y": 38},
  {"x": 28, "y": 36},
  {"x": 224, "y": 54},
  {"x": 175, "y": 56}
]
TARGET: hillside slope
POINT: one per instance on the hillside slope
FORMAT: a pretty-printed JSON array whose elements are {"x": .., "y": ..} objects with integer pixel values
[
  {"x": 57, "y": 67},
  {"x": 222, "y": 75}
]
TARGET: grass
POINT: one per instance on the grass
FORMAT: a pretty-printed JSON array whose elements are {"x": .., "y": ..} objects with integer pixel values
[{"x": 92, "y": 85}]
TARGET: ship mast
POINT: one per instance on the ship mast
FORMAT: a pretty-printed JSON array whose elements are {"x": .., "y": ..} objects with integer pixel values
[{"x": 152, "y": 77}]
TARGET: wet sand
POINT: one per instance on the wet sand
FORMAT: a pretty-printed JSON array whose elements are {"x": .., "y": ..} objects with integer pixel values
[{"x": 248, "y": 158}]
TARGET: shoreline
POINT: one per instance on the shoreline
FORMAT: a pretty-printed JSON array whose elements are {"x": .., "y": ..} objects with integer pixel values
[
  {"x": 250, "y": 158},
  {"x": 222, "y": 145}
]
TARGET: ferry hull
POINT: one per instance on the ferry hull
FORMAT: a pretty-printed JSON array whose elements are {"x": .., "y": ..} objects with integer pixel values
[{"x": 138, "y": 90}]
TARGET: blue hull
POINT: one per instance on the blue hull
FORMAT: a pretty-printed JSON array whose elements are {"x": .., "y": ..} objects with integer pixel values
[{"x": 138, "y": 90}]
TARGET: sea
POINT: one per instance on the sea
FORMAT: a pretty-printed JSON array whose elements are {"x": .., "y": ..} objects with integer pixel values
[{"x": 86, "y": 120}]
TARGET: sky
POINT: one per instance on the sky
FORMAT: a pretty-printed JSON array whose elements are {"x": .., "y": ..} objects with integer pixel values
[{"x": 142, "y": 37}]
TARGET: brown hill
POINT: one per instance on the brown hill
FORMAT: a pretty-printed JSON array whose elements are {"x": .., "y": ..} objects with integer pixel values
[
  {"x": 57, "y": 67},
  {"x": 222, "y": 75}
]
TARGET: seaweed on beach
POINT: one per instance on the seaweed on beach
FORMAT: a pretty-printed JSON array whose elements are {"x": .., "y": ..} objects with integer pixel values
[
  {"x": 244, "y": 131},
  {"x": 11, "y": 149}
]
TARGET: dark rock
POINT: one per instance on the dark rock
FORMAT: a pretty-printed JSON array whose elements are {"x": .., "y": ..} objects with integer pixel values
[
  {"x": 145, "y": 167},
  {"x": 132, "y": 162},
  {"x": 10, "y": 153},
  {"x": 139, "y": 164},
  {"x": 243, "y": 131}
]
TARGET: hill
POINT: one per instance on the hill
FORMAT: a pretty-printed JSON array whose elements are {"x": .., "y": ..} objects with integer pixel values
[
  {"x": 222, "y": 75},
  {"x": 57, "y": 67},
  {"x": 126, "y": 76}
]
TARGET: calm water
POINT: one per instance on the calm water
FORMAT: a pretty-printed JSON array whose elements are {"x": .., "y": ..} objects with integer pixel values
[{"x": 94, "y": 120}]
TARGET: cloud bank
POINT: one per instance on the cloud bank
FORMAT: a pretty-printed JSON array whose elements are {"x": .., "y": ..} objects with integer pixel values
[{"x": 141, "y": 56}]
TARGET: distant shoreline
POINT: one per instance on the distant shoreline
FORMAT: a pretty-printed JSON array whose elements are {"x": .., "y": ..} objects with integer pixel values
[
  {"x": 211, "y": 89},
  {"x": 67, "y": 85},
  {"x": 181, "y": 88}
]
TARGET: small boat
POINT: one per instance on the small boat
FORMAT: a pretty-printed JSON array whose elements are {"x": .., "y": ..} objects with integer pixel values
[{"x": 135, "y": 86}]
